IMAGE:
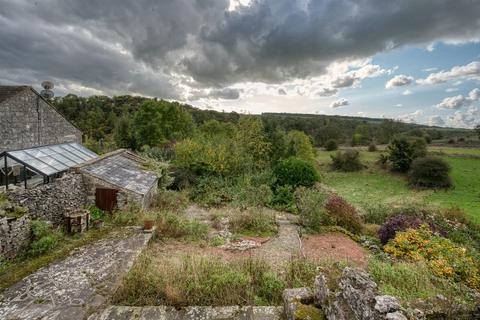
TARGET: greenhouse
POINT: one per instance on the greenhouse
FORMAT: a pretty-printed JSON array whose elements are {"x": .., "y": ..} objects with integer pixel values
[{"x": 40, "y": 165}]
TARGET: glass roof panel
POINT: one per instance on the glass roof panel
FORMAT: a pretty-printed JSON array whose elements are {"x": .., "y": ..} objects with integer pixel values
[{"x": 55, "y": 158}]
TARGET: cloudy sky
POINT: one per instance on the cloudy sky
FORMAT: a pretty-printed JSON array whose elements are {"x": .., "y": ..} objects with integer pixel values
[{"x": 416, "y": 61}]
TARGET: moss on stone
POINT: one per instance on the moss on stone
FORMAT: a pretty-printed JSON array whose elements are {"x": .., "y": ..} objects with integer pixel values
[{"x": 308, "y": 312}]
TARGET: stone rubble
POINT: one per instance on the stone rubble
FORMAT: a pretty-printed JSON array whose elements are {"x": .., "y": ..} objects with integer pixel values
[{"x": 355, "y": 298}]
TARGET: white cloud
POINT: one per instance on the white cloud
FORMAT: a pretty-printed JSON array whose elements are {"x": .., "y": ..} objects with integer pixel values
[
  {"x": 467, "y": 119},
  {"x": 474, "y": 95},
  {"x": 429, "y": 69},
  {"x": 451, "y": 89},
  {"x": 469, "y": 71},
  {"x": 399, "y": 105},
  {"x": 398, "y": 81},
  {"x": 436, "y": 121},
  {"x": 326, "y": 92},
  {"x": 455, "y": 102},
  {"x": 410, "y": 117},
  {"x": 407, "y": 92},
  {"x": 459, "y": 101},
  {"x": 339, "y": 103}
]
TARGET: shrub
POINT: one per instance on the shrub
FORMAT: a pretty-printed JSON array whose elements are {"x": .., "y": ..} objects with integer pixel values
[
  {"x": 253, "y": 222},
  {"x": 331, "y": 145},
  {"x": 344, "y": 214},
  {"x": 40, "y": 228},
  {"x": 396, "y": 224},
  {"x": 310, "y": 205},
  {"x": 402, "y": 151},
  {"x": 212, "y": 191},
  {"x": 295, "y": 172},
  {"x": 430, "y": 172},
  {"x": 170, "y": 225},
  {"x": 283, "y": 198},
  {"x": 451, "y": 141},
  {"x": 44, "y": 238},
  {"x": 182, "y": 178},
  {"x": 171, "y": 201},
  {"x": 96, "y": 213},
  {"x": 372, "y": 147},
  {"x": 441, "y": 255},
  {"x": 347, "y": 161},
  {"x": 252, "y": 190},
  {"x": 125, "y": 218},
  {"x": 300, "y": 145},
  {"x": 43, "y": 245}
]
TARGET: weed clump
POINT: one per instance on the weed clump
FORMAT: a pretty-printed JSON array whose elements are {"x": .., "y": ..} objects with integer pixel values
[
  {"x": 44, "y": 238},
  {"x": 170, "y": 225},
  {"x": 253, "y": 222}
]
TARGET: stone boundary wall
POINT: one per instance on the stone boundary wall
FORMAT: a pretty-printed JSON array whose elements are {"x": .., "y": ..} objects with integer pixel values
[
  {"x": 14, "y": 235},
  {"x": 50, "y": 201}
]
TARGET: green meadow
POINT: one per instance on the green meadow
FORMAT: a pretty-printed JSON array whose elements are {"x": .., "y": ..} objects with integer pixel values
[{"x": 374, "y": 185}]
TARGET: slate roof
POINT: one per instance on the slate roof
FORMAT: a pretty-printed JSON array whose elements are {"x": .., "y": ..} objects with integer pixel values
[
  {"x": 123, "y": 170},
  {"x": 7, "y": 92}
]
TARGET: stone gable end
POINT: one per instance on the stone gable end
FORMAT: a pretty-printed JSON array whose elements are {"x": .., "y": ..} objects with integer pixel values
[{"x": 28, "y": 121}]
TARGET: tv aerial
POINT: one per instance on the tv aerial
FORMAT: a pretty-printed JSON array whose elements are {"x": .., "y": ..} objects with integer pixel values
[{"x": 47, "y": 92}]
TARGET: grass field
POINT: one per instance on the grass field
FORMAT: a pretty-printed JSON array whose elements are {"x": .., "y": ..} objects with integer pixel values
[{"x": 374, "y": 185}]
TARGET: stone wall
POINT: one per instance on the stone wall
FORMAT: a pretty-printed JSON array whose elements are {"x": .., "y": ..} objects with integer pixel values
[
  {"x": 50, "y": 201},
  {"x": 24, "y": 125},
  {"x": 14, "y": 235}
]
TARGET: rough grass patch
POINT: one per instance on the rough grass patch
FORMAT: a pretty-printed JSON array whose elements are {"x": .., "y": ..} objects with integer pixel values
[
  {"x": 411, "y": 281},
  {"x": 171, "y": 225},
  {"x": 199, "y": 280},
  {"x": 253, "y": 222}
]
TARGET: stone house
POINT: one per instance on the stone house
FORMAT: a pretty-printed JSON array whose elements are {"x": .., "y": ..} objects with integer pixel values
[
  {"x": 117, "y": 179},
  {"x": 28, "y": 120}
]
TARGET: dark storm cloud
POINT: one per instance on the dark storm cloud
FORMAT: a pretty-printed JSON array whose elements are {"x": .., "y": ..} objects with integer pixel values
[{"x": 156, "y": 47}]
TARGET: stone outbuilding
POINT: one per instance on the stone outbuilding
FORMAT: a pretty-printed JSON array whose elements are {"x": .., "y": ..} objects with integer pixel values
[{"x": 118, "y": 179}]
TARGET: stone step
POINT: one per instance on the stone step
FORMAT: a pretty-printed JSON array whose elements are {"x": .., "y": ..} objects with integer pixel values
[{"x": 189, "y": 313}]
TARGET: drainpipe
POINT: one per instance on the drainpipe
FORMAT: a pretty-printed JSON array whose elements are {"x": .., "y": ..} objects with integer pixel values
[
  {"x": 6, "y": 173},
  {"x": 38, "y": 120}
]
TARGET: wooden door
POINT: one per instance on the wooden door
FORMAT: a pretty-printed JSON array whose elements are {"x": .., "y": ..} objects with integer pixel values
[{"x": 106, "y": 199}]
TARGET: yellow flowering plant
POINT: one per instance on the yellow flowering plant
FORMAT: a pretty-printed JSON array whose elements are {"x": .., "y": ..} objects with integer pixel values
[{"x": 441, "y": 255}]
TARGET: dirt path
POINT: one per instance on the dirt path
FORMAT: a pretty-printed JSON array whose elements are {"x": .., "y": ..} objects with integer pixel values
[
  {"x": 279, "y": 250},
  {"x": 334, "y": 247},
  {"x": 68, "y": 288}
]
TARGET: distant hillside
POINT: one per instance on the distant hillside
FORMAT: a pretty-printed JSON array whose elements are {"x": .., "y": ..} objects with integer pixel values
[{"x": 97, "y": 117}]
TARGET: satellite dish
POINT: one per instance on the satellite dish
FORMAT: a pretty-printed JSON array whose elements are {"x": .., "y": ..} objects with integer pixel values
[
  {"x": 47, "y": 94},
  {"x": 47, "y": 85}
]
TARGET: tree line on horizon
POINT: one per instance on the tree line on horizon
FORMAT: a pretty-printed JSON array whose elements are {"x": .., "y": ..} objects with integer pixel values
[{"x": 133, "y": 122}]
